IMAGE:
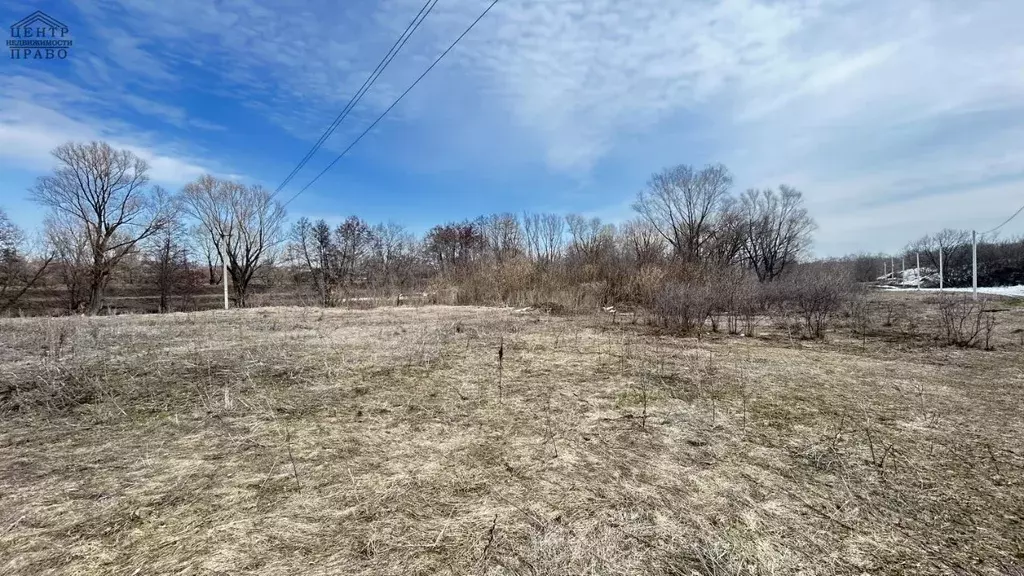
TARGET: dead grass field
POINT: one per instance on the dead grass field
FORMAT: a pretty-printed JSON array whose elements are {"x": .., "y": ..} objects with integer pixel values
[{"x": 294, "y": 441}]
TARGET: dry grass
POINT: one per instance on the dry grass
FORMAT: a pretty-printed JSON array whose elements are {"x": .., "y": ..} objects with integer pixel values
[{"x": 295, "y": 441}]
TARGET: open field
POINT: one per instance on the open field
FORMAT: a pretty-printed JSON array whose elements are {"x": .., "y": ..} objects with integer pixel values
[{"x": 386, "y": 441}]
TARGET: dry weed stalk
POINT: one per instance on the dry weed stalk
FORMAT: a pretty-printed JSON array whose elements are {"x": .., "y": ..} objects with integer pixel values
[
  {"x": 549, "y": 425},
  {"x": 989, "y": 328},
  {"x": 643, "y": 398},
  {"x": 490, "y": 540},
  {"x": 710, "y": 370},
  {"x": 878, "y": 462},
  {"x": 295, "y": 469},
  {"x": 744, "y": 397},
  {"x": 501, "y": 356}
]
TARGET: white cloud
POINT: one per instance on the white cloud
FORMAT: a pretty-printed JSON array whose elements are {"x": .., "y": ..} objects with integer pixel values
[
  {"x": 28, "y": 132},
  {"x": 860, "y": 103}
]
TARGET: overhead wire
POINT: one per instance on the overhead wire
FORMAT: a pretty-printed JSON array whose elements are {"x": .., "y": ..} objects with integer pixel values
[
  {"x": 1005, "y": 222},
  {"x": 413, "y": 25},
  {"x": 395, "y": 103}
]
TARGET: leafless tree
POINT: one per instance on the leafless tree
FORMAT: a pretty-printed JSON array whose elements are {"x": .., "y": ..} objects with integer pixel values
[
  {"x": 391, "y": 254},
  {"x": 955, "y": 246},
  {"x": 72, "y": 257},
  {"x": 206, "y": 246},
  {"x": 314, "y": 247},
  {"x": 455, "y": 246},
  {"x": 11, "y": 237},
  {"x": 592, "y": 254},
  {"x": 247, "y": 221},
  {"x": 552, "y": 237},
  {"x": 352, "y": 241},
  {"x": 725, "y": 240},
  {"x": 18, "y": 273},
  {"x": 130, "y": 269},
  {"x": 640, "y": 239},
  {"x": 168, "y": 256},
  {"x": 504, "y": 236},
  {"x": 530, "y": 224},
  {"x": 681, "y": 203},
  {"x": 105, "y": 192},
  {"x": 588, "y": 236},
  {"x": 778, "y": 230}
]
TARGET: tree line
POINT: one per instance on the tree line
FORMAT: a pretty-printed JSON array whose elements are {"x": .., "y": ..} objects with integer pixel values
[
  {"x": 1000, "y": 260},
  {"x": 107, "y": 225}
]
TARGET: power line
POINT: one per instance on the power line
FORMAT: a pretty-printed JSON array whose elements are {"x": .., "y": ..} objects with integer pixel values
[
  {"x": 1015, "y": 214},
  {"x": 395, "y": 103},
  {"x": 428, "y": 6}
]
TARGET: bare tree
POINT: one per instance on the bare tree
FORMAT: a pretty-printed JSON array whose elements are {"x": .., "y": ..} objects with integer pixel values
[
  {"x": 724, "y": 243},
  {"x": 778, "y": 230},
  {"x": 953, "y": 244},
  {"x": 681, "y": 203},
  {"x": 70, "y": 246},
  {"x": 640, "y": 239},
  {"x": 168, "y": 257},
  {"x": 390, "y": 255},
  {"x": 504, "y": 236},
  {"x": 11, "y": 236},
  {"x": 247, "y": 221},
  {"x": 552, "y": 237},
  {"x": 17, "y": 273},
  {"x": 205, "y": 245},
  {"x": 588, "y": 236},
  {"x": 530, "y": 224},
  {"x": 314, "y": 248},
  {"x": 592, "y": 253},
  {"x": 455, "y": 246},
  {"x": 104, "y": 191},
  {"x": 352, "y": 241}
]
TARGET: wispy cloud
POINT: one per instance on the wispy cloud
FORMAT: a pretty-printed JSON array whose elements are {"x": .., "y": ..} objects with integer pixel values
[
  {"x": 28, "y": 133},
  {"x": 38, "y": 114},
  {"x": 861, "y": 103}
]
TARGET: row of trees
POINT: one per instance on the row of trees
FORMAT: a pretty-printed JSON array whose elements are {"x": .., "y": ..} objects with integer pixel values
[
  {"x": 1000, "y": 260},
  {"x": 103, "y": 212},
  {"x": 104, "y": 215}
]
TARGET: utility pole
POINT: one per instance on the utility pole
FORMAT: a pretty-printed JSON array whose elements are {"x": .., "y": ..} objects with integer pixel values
[
  {"x": 224, "y": 273},
  {"x": 940, "y": 268},
  {"x": 974, "y": 261},
  {"x": 918, "y": 270}
]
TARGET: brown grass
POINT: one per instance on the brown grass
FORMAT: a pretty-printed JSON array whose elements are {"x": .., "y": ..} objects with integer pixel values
[{"x": 300, "y": 441}]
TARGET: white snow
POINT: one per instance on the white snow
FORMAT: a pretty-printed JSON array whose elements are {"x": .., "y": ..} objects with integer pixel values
[
  {"x": 911, "y": 277},
  {"x": 1010, "y": 291}
]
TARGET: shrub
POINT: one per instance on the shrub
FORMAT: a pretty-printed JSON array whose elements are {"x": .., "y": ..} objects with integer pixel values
[
  {"x": 960, "y": 320},
  {"x": 816, "y": 293},
  {"x": 685, "y": 306}
]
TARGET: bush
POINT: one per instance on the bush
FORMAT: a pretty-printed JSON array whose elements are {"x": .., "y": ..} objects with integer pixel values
[
  {"x": 816, "y": 293},
  {"x": 683, "y": 306},
  {"x": 961, "y": 320}
]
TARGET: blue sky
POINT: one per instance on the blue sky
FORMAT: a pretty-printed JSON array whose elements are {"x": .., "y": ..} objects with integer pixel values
[{"x": 894, "y": 118}]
